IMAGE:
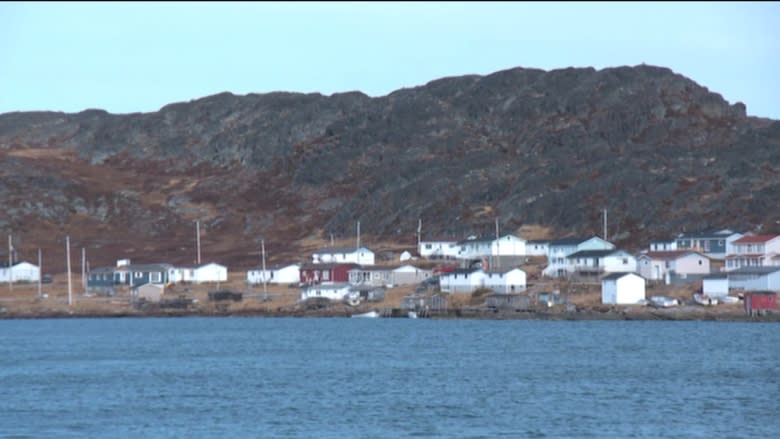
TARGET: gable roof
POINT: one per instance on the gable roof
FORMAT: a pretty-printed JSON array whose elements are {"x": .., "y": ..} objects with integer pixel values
[
  {"x": 328, "y": 266},
  {"x": 715, "y": 234},
  {"x": 670, "y": 255},
  {"x": 615, "y": 276},
  {"x": 593, "y": 253},
  {"x": 751, "y": 239},
  {"x": 754, "y": 270},
  {"x": 567, "y": 241},
  {"x": 279, "y": 266}
]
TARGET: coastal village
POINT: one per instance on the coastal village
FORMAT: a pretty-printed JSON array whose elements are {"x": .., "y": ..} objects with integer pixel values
[{"x": 505, "y": 273}]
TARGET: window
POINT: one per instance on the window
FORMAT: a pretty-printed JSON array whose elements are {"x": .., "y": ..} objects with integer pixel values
[
  {"x": 428, "y": 246},
  {"x": 625, "y": 261},
  {"x": 156, "y": 277},
  {"x": 699, "y": 261},
  {"x": 138, "y": 274},
  {"x": 326, "y": 275}
]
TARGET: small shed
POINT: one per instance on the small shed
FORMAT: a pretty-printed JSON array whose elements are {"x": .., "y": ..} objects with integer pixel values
[
  {"x": 715, "y": 285},
  {"x": 149, "y": 292},
  {"x": 622, "y": 289},
  {"x": 759, "y": 302}
]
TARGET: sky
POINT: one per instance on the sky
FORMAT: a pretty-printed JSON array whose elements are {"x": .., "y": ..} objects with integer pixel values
[{"x": 138, "y": 57}]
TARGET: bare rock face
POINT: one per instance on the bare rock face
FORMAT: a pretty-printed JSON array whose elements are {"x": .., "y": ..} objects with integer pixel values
[{"x": 526, "y": 146}]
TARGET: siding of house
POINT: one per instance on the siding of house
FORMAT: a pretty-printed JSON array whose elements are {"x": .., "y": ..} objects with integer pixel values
[
  {"x": 288, "y": 274},
  {"x": 332, "y": 292},
  {"x": 622, "y": 289}
]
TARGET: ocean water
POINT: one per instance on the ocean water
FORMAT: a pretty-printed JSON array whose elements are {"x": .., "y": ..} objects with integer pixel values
[{"x": 387, "y": 378}]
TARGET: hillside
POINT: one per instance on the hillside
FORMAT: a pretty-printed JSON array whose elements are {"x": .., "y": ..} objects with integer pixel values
[{"x": 531, "y": 147}]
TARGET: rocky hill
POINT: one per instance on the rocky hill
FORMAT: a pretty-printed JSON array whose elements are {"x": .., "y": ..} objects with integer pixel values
[{"x": 552, "y": 148}]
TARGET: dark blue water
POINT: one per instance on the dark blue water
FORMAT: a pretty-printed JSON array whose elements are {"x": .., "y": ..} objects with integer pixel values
[{"x": 318, "y": 378}]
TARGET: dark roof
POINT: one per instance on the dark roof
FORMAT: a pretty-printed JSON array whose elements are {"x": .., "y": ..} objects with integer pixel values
[
  {"x": 754, "y": 270},
  {"x": 102, "y": 270},
  {"x": 538, "y": 241},
  {"x": 671, "y": 254},
  {"x": 479, "y": 239},
  {"x": 592, "y": 253},
  {"x": 719, "y": 234},
  {"x": 716, "y": 276},
  {"x": 502, "y": 270},
  {"x": 568, "y": 241},
  {"x": 614, "y": 276},
  {"x": 331, "y": 250},
  {"x": 145, "y": 267}
]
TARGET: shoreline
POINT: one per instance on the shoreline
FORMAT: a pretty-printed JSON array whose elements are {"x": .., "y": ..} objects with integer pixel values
[{"x": 625, "y": 314}]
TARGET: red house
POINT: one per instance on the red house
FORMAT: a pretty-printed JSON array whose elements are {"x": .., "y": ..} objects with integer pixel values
[
  {"x": 312, "y": 274},
  {"x": 758, "y": 302}
]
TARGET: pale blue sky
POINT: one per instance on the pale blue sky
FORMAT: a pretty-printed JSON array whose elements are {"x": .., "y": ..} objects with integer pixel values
[{"x": 129, "y": 57}]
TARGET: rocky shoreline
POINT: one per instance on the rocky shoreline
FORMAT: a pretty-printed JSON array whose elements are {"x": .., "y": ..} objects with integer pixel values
[{"x": 685, "y": 313}]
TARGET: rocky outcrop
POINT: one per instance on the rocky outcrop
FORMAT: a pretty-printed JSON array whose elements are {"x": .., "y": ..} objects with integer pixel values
[{"x": 660, "y": 152}]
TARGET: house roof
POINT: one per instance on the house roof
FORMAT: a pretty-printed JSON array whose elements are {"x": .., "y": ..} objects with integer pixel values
[
  {"x": 328, "y": 266},
  {"x": 477, "y": 240},
  {"x": 672, "y": 254},
  {"x": 719, "y": 234},
  {"x": 461, "y": 271},
  {"x": 568, "y": 241},
  {"x": 592, "y": 254},
  {"x": 538, "y": 241},
  {"x": 374, "y": 268},
  {"x": 332, "y": 250},
  {"x": 337, "y": 286},
  {"x": 755, "y": 239},
  {"x": 615, "y": 276},
  {"x": 754, "y": 270},
  {"x": 102, "y": 270},
  {"x": 716, "y": 276},
  {"x": 440, "y": 239},
  {"x": 502, "y": 270},
  {"x": 145, "y": 267}
]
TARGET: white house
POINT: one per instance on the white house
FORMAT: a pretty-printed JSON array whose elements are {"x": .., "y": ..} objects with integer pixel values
[
  {"x": 443, "y": 248},
  {"x": 505, "y": 282},
  {"x": 715, "y": 285},
  {"x": 330, "y": 291},
  {"x": 662, "y": 265},
  {"x": 211, "y": 272},
  {"x": 536, "y": 247},
  {"x": 755, "y": 278},
  {"x": 622, "y": 289},
  {"x": 715, "y": 245},
  {"x": 20, "y": 272},
  {"x": 753, "y": 251},
  {"x": 461, "y": 280},
  {"x": 596, "y": 262},
  {"x": 353, "y": 255},
  {"x": 558, "y": 250},
  {"x": 507, "y": 245},
  {"x": 275, "y": 274},
  {"x": 409, "y": 275}
]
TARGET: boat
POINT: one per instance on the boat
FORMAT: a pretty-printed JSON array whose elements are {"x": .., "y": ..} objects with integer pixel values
[
  {"x": 412, "y": 315},
  {"x": 663, "y": 301},
  {"x": 728, "y": 299},
  {"x": 367, "y": 315},
  {"x": 703, "y": 299}
]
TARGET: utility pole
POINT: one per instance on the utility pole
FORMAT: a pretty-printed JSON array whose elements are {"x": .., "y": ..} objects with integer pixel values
[
  {"x": 357, "y": 249},
  {"x": 40, "y": 273},
  {"x": 84, "y": 269},
  {"x": 10, "y": 264},
  {"x": 605, "y": 224},
  {"x": 498, "y": 247},
  {"x": 265, "y": 273},
  {"x": 70, "y": 285},
  {"x": 197, "y": 237},
  {"x": 419, "y": 234}
]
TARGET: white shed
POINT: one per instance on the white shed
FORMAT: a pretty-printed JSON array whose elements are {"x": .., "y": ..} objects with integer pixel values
[
  {"x": 277, "y": 274},
  {"x": 622, "y": 289},
  {"x": 210, "y": 272},
  {"x": 715, "y": 285},
  {"x": 20, "y": 272},
  {"x": 461, "y": 280}
]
